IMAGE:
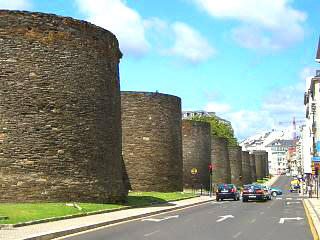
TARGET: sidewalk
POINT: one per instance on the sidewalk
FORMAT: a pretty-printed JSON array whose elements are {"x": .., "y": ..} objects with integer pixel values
[
  {"x": 312, "y": 206},
  {"x": 50, "y": 230}
]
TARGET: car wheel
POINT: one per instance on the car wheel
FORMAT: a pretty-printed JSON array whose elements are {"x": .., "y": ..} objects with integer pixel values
[
  {"x": 274, "y": 194},
  {"x": 244, "y": 200},
  {"x": 217, "y": 199}
]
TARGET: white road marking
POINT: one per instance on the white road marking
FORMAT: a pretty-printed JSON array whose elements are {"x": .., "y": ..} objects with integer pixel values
[
  {"x": 288, "y": 198},
  {"x": 283, "y": 219},
  {"x": 288, "y": 203},
  {"x": 279, "y": 198},
  {"x": 253, "y": 220},
  {"x": 159, "y": 220},
  {"x": 224, "y": 218},
  {"x": 261, "y": 213},
  {"x": 148, "y": 234},
  {"x": 299, "y": 198},
  {"x": 237, "y": 235}
]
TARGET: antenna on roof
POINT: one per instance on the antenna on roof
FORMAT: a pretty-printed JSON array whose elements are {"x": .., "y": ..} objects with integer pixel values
[{"x": 318, "y": 53}]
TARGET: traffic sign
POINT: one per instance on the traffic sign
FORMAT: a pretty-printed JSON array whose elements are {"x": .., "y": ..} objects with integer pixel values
[{"x": 194, "y": 171}]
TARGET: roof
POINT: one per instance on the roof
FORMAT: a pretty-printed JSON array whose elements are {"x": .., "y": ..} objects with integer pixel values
[{"x": 281, "y": 143}]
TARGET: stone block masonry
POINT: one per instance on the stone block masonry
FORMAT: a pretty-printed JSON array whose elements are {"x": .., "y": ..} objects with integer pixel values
[
  {"x": 253, "y": 167},
  {"x": 152, "y": 143},
  {"x": 235, "y": 159},
  {"x": 246, "y": 169},
  {"x": 60, "y": 124},
  {"x": 196, "y": 143},
  {"x": 221, "y": 172}
]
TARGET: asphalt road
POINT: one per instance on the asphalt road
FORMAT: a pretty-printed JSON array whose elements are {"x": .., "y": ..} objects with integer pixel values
[{"x": 281, "y": 218}]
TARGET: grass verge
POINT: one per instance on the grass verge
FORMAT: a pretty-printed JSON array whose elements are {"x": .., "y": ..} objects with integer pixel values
[{"x": 25, "y": 212}]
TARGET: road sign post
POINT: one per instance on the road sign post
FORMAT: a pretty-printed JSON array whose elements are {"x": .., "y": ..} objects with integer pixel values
[{"x": 210, "y": 173}]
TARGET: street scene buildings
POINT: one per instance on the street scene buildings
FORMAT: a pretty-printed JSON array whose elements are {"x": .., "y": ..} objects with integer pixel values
[{"x": 70, "y": 138}]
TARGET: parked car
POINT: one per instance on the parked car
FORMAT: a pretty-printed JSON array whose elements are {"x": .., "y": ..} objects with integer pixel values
[
  {"x": 275, "y": 192},
  {"x": 267, "y": 191},
  {"x": 253, "y": 192},
  {"x": 227, "y": 191}
]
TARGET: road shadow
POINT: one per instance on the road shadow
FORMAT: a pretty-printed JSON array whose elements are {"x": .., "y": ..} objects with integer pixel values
[{"x": 147, "y": 201}]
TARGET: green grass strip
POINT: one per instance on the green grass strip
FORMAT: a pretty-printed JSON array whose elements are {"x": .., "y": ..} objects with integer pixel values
[{"x": 25, "y": 212}]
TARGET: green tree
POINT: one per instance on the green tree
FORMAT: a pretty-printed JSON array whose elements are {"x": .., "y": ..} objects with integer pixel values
[{"x": 219, "y": 129}]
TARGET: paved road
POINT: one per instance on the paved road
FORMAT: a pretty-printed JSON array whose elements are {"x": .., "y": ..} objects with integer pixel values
[{"x": 281, "y": 218}]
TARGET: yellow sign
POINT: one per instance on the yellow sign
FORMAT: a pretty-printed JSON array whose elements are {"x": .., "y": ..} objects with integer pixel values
[{"x": 194, "y": 171}]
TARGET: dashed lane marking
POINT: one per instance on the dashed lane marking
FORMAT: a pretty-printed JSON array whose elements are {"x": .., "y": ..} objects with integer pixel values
[
  {"x": 237, "y": 235},
  {"x": 253, "y": 220},
  {"x": 149, "y": 234}
]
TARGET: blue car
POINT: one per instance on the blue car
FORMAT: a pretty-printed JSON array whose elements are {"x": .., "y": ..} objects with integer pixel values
[{"x": 275, "y": 191}]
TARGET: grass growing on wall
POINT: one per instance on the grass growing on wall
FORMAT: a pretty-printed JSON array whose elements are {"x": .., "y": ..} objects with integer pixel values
[{"x": 25, "y": 212}]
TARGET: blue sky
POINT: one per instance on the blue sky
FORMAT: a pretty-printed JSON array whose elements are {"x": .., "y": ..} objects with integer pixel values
[{"x": 246, "y": 60}]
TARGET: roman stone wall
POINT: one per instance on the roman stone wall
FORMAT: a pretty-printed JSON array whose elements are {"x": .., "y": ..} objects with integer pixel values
[
  {"x": 246, "y": 168},
  {"x": 221, "y": 172},
  {"x": 60, "y": 127},
  {"x": 152, "y": 143},
  {"x": 259, "y": 166},
  {"x": 235, "y": 158},
  {"x": 267, "y": 163},
  {"x": 253, "y": 167},
  {"x": 262, "y": 167},
  {"x": 196, "y": 143}
]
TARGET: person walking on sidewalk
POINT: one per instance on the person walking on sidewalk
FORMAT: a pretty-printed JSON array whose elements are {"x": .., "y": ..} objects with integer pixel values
[{"x": 310, "y": 191}]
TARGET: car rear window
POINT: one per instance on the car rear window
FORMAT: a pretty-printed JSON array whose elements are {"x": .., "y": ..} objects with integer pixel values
[
  {"x": 225, "y": 186},
  {"x": 255, "y": 187}
]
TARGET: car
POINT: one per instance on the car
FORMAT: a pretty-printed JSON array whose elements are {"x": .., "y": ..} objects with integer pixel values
[
  {"x": 268, "y": 192},
  {"x": 275, "y": 192},
  {"x": 227, "y": 191},
  {"x": 253, "y": 192}
]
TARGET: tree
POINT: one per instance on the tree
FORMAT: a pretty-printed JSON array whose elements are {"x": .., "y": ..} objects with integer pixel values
[{"x": 219, "y": 129}]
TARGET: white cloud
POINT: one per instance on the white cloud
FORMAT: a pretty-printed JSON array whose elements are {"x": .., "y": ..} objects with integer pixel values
[
  {"x": 125, "y": 23},
  {"x": 189, "y": 44},
  {"x": 218, "y": 108},
  {"x": 134, "y": 33},
  {"x": 15, "y": 4},
  {"x": 266, "y": 24},
  {"x": 279, "y": 105}
]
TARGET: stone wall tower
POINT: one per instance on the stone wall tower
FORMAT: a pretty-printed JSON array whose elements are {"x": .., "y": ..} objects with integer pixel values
[
  {"x": 196, "y": 143},
  {"x": 221, "y": 172},
  {"x": 235, "y": 158},
  {"x": 60, "y": 124},
  {"x": 246, "y": 169},
  {"x": 152, "y": 143}
]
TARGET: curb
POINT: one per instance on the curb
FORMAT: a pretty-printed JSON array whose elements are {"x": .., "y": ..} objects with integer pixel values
[
  {"x": 312, "y": 218},
  {"x": 65, "y": 232},
  {"x": 53, "y": 219}
]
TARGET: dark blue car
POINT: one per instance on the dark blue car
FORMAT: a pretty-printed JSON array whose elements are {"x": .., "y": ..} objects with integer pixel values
[{"x": 275, "y": 191}]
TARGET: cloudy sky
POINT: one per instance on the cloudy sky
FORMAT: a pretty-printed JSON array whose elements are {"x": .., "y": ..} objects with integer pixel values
[{"x": 246, "y": 60}]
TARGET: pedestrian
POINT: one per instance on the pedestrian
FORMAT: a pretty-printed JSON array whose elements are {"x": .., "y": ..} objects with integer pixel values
[{"x": 310, "y": 191}]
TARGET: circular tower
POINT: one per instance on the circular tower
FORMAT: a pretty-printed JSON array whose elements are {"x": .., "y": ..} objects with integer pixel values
[
  {"x": 196, "y": 138},
  {"x": 235, "y": 159},
  {"x": 259, "y": 166},
  {"x": 220, "y": 161},
  {"x": 152, "y": 144},
  {"x": 253, "y": 167},
  {"x": 246, "y": 169},
  {"x": 60, "y": 124}
]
